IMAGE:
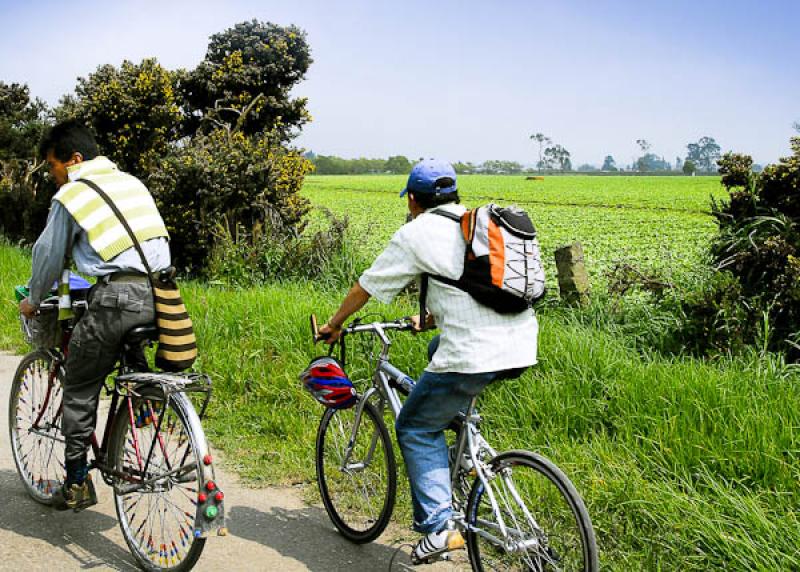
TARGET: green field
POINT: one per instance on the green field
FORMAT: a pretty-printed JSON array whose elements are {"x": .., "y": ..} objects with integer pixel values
[
  {"x": 653, "y": 222},
  {"x": 685, "y": 464}
]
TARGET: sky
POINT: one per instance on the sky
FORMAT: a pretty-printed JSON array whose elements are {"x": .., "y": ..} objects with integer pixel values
[{"x": 468, "y": 80}]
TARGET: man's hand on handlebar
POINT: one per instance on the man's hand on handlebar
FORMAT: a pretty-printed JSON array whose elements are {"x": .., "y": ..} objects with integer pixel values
[
  {"x": 27, "y": 309},
  {"x": 329, "y": 334},
  {"x": 417, "y": 326}
]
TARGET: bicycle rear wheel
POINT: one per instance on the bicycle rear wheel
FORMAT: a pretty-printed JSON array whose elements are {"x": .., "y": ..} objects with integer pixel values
[
  {"x": 547, "y": 525},
  {"x": 358, "y": 491},
  {"x": 34, "y": 423},
  {"x": 157, "y": 507}
]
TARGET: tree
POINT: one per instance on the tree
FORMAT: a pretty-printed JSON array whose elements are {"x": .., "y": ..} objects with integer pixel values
[
  {"x": 542, "y": 140},
  {"x": 133, "y": 110},
  {"x": 227, "y": 180},
  {"x": 558, "y": 155},
  {"x": 21, "y": 122},
  {"x": 678, "y": 164},
  {"x": 25, "y": 192},
  {"x": 399, "y": 165},
  {"x": 253, "y": 65},
  {"x": 650, "y": 162},
  {"x": 689, "y": 168},
  {"x": 643, "y": 145},
  {"x": 609, "y": 164},
  {"x": 704, "y": 154},
  {"x": 796, "y": 126},
  {"x": 586, "y": 168},
  {"x": 464, "y": 168}
]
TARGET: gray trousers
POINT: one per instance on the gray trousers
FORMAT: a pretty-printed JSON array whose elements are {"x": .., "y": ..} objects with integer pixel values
[{"x": 114, "y": 309}]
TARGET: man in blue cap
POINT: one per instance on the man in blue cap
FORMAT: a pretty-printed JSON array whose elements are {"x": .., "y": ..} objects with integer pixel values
[{"x": 476, "y": 346}]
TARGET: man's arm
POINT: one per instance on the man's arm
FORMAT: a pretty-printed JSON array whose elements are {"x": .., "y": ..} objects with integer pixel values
[
  {"x": 351, "y": 304},
  {"x": 49, "y": 254}
]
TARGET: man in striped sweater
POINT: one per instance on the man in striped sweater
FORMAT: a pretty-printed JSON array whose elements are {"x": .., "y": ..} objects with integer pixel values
[{"x": 81, "y": 226}]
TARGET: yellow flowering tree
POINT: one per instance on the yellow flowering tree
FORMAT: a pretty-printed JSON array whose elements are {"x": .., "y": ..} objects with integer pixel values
[
  {"x": 133, "y": 110},
  {"x": 254, "y": 63}
]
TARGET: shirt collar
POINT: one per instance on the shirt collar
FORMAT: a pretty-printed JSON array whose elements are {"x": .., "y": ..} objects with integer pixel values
[{"x": 97, "y": 166}]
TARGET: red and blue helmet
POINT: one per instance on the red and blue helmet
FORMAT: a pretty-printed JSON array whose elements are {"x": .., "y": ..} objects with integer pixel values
[{"x": 326, "y": 381}]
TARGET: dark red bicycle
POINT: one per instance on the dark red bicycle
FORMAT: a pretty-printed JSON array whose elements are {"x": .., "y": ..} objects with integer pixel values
[{"x": 153, "y": 452}]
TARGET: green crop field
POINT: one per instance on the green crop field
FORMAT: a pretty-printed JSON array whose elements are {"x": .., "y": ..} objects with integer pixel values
[
  {"x": 685, "y": 464},
  {"x": 653, "y": 222}
]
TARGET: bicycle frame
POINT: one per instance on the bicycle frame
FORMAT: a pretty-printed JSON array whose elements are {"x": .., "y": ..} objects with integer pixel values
[
  {"x": 126, "y": 386},
  {"x": 387, "y": 383}
]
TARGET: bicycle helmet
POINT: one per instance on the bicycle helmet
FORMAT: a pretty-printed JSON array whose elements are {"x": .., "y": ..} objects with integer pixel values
[{"x": 326, "y": 381}]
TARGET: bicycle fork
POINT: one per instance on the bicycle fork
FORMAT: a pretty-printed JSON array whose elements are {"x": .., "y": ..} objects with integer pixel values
[{"x": 347, "y": 466}]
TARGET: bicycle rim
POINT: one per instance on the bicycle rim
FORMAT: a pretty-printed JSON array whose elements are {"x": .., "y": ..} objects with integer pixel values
[
  {"x": 359, "y": 493},
  {"x": 157, "y": 520},
  {"x": 34, "y": 422},
  {"x": 547, "y": 525}
]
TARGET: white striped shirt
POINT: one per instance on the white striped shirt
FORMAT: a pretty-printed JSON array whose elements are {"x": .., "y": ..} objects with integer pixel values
[{"x": 474, "y": 338}]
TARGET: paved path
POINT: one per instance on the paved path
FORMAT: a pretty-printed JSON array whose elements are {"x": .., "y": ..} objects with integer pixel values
[{"x": 270, "y": 528}]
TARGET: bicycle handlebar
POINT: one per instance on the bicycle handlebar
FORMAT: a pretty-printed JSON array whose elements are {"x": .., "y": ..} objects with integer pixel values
[{"x": 356, "y": 327}]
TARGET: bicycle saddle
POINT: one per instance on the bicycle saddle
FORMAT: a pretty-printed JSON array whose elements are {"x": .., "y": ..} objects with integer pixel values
[{"x": 141, "y": 334}]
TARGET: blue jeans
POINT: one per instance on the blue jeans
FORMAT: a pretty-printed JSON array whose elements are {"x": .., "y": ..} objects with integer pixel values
[{"x": 435, "y": 401}]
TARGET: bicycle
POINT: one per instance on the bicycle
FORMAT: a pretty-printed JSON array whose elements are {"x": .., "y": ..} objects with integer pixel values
[
  {"x": 516, "y": 509},
  {"x": 153, "y": 453}
]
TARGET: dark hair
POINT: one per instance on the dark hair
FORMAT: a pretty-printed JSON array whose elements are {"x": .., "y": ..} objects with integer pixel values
[
  {"x": 66, "y": 138},
  {"x": 429, "y": 200}
]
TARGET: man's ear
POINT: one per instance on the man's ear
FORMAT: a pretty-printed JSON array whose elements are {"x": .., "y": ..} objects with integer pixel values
[{"x": 77, "y": 158}]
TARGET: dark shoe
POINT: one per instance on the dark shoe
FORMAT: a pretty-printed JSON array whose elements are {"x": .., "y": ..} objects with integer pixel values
[
  {"x": 436, "y": 546},
  {"x": 75, "y": 497}
]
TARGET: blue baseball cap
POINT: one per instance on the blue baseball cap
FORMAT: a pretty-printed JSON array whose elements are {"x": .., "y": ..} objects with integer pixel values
[{"x": 432, "y": 177}]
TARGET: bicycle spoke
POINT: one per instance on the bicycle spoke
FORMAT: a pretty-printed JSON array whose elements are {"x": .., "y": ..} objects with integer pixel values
[{"x": 160, "y": 514}]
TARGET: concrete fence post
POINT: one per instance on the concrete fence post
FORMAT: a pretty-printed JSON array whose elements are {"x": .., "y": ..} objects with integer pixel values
[{"x": 573, "y": 281}]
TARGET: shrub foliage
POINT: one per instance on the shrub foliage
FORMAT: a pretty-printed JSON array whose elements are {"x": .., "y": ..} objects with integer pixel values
[{"x": 758, "y": 243}]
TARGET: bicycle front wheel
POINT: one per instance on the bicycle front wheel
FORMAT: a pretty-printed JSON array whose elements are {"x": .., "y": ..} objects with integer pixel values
[
  {"x": 358, "y": 484},
  {"x": 538, "y": 521},
  {"x": 156, "y": 502},
  {"x": 34, "y": 423}
]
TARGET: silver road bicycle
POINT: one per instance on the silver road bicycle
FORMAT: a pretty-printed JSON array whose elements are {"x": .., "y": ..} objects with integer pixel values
[{"x": 516, "y": 509}]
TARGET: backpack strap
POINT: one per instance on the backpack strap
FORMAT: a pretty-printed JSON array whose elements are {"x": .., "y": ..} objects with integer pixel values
[{"x": 423, "y": 286}]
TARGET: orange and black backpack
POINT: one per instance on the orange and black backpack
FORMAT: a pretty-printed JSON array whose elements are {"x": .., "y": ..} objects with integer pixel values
[{"x": 502, "y": 263}]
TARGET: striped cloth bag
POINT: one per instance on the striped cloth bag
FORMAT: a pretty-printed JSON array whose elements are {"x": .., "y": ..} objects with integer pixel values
[{"x": 177, "y": 344}]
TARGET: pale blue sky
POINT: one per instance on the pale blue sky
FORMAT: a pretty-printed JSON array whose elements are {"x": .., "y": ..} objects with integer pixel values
[{"x": 468, "y": 80}]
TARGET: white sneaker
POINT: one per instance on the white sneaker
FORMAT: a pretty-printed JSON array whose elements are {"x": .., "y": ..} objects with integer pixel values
[{"x": 436, "y": 545}]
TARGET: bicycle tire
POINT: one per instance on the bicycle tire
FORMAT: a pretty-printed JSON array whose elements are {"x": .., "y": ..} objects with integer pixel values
[
  {"x": 554, "y": 504},
  {"x": 358, "y": 514},
  {"x": 39, "y": 457},
  {"x": 177, "y": 549}
]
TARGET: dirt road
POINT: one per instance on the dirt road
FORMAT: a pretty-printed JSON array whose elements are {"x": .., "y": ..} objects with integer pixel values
[{"x": 270, "y": 528}]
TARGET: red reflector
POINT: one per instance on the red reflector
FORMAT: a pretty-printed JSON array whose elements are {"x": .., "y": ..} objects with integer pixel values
[
  {"x": 202, "y": 497},
  {"x": 207, "y": 460},
  {"x": 219, "y": 496},
  {"x": 210, "y": 486}
]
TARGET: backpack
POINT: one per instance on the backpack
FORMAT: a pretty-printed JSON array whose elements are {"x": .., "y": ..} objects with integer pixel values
[{"x": 502, "y": 262}]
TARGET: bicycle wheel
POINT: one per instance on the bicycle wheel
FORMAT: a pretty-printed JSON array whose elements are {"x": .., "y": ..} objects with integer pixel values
[
  {"x": 358, "y": 492},
  {"x": 547, "y": 525},
  {"x": 34, "y": 423},
  {"x": 157, "y": 518}
]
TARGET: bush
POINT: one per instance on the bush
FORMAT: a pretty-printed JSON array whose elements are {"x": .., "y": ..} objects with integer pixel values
[
  {"x": 274, "y": 252},
  {"x": 228, "y": 179},
  {"x": 758, "y": 243},
  {"x": 133, "y": 111}
]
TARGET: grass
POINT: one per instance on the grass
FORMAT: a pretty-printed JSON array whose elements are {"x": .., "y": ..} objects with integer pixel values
[{"x": 683, "y": 463}]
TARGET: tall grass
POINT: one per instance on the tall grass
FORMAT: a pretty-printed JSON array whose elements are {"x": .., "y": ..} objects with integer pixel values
[{"x": 684, "y": 464}]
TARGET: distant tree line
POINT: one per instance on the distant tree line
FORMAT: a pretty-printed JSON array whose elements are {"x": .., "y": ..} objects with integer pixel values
[{"x": 401, "y": 165}]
